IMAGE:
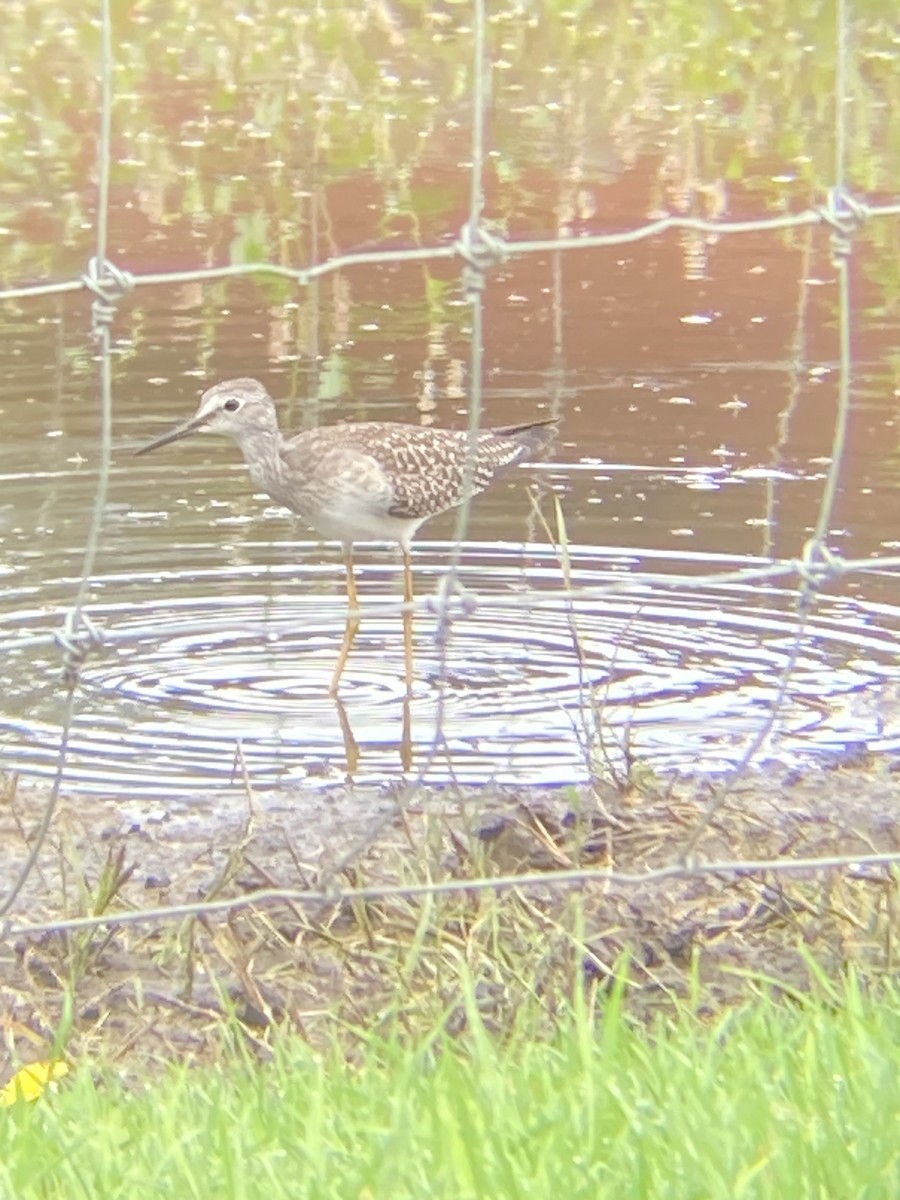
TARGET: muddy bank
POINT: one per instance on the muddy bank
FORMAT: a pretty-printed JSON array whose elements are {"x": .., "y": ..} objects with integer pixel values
[{"x": 161, "y": 989}]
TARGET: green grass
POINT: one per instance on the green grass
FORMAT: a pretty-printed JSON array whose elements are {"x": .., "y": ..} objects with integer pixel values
[{"x": 772, "y": 1101}]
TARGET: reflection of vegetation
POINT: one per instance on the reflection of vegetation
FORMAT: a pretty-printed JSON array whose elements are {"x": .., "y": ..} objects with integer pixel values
[
  {"x": 289, "y": 134},
  {"x": 243, "y": 110}
]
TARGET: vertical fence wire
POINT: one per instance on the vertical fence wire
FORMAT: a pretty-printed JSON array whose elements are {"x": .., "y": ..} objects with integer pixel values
[
  {"x": 474, "y": 280},
  {"x": 816, "y": 561},
  {"x": 80, "y": 636}
]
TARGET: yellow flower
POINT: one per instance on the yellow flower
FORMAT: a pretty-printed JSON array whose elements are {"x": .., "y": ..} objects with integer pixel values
[{"x": 30, "y": 1082}]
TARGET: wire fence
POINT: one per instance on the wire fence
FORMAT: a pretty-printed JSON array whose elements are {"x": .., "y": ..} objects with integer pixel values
[{"x": 478, "y": 250}]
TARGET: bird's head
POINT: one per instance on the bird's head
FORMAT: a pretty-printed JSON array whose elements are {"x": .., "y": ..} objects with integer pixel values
[{"x": 236, "y": 408}]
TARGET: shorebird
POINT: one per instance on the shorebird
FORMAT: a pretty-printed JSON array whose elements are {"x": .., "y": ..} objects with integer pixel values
[{"x": 360, "y": 481}]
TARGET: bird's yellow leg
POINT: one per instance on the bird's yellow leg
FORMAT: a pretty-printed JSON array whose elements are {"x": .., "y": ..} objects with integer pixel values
[{"x": 352, "y": 626}]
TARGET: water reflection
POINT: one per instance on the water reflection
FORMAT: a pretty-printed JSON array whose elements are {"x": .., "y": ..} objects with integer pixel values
[{"x": 533, "y": 691}]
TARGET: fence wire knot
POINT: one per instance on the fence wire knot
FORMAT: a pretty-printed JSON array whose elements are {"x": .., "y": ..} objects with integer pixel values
[
  {"x": 481, "y": 250},
  {"x": 78, "y": 637},
  {"x": 818, "y": 565},
  {"x": 109, "y": 284},
  {"x": 844, "y": 214}
]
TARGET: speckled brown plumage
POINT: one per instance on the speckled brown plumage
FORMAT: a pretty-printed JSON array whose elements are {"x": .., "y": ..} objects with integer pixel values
[{"x": 372, "y": 480}]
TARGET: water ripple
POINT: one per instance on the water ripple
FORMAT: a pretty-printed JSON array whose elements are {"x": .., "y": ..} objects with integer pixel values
[{"x": 196, "y": 662}]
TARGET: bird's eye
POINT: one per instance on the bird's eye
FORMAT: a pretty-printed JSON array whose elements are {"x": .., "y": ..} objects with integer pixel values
[{"x": 231, "y": 405}]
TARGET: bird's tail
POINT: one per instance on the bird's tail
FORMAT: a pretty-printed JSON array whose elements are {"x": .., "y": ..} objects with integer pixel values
[{"x": 532, "y": 437}]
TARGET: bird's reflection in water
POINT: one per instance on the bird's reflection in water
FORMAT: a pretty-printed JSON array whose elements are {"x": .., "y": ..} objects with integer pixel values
[
  {"x": 351, "y": 745},
  {"x": 352, "y": 753}
]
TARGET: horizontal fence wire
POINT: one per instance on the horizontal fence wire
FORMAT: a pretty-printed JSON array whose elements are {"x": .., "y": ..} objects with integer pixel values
[
  {"x": 861, "y": 865},
  {"x": 478, "y": 249}
]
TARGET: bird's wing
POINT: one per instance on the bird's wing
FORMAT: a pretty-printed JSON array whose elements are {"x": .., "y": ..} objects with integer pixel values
[
  {"x": 402, "y": 471},
  {"x": 429, "y": 473},
  {"x": 338, "y": 471}
]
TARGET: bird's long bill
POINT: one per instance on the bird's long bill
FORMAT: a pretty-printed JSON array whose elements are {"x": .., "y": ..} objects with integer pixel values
[{"x": 180, "y": 431}]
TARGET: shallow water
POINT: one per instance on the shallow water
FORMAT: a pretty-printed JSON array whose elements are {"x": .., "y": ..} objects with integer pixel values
[
  {"x": 199, "y": 659},
  {"x": 694, "y": 378}
]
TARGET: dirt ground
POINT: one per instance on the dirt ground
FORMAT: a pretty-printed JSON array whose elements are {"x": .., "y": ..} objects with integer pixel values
[{"x": 346, "y": 956}]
